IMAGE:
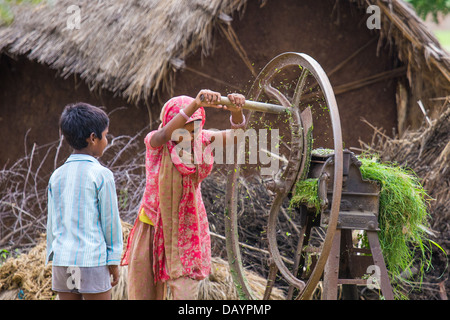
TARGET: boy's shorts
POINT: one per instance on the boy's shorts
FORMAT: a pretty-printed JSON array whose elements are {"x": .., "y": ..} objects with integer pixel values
[{"x": 81, "y": 279}]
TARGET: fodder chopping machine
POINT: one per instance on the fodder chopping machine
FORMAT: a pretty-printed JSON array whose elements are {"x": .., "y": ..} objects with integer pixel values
[{"x": 347, "y": 202}]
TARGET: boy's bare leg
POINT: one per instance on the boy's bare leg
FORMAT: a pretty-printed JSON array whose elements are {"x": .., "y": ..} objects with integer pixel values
[
  {"x": 69, "y": 296},
  {"x": 98, "y": 296}
]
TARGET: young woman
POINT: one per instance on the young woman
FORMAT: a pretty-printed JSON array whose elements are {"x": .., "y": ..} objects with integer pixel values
[{"x": 169, "y": 243}]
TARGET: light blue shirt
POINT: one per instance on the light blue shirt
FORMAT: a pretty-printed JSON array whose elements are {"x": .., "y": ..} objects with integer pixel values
[{"x": 83, "y": 224}]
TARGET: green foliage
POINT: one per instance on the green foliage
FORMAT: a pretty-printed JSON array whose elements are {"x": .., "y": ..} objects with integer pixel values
[
  {"x": 444, "y": 38},
  {"x": 123, "y": 198},
  {"x": 6, "y": 13},
  {"x": 433, "y": 7},
  {"x": 5, "y": 254}
]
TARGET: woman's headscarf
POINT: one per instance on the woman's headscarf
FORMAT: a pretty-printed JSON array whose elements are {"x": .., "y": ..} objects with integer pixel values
[{"x": 170, "y": 109}]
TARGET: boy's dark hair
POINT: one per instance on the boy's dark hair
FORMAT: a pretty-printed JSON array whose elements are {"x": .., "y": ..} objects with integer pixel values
[{"x": 79, "y": 120}]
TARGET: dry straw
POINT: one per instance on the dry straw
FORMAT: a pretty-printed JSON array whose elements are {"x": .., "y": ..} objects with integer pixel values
[{"x": 27, "y": 276}]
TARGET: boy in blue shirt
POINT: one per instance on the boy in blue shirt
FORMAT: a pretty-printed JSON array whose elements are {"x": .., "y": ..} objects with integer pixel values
[{"x": 84, "y": 234}]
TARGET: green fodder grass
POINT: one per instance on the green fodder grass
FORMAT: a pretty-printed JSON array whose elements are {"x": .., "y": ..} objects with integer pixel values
[
  {"x": 305, "y": 193},
  {"x": 402, "y": 217}
]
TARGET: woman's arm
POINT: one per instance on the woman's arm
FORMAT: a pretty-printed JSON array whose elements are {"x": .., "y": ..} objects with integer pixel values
[
  {"x": 165, "y": 133},
  {"x": 236, "y": 120}
]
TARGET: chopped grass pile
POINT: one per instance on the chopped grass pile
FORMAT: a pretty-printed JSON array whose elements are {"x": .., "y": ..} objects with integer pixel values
[{"x": 402, "y": 215}]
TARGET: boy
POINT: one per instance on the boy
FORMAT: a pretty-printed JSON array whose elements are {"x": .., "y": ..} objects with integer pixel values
[{"x": 84, "y": 233}]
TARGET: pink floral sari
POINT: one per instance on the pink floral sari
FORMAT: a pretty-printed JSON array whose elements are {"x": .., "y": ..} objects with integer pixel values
[{"x": 173, "y": 202}]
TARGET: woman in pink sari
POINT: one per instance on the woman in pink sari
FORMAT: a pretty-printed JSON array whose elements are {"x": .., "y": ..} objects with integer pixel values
[{"x": 170, "y": 243}]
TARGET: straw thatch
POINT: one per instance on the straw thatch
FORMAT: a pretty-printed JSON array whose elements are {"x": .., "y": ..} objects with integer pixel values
[{"x": 132, "y": 48}]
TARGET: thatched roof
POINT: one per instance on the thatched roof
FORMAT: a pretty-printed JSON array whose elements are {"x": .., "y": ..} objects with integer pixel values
[
  {"x": 123, "y": 46},
  {"x": 132, "y": 48},
  {"x": 428, "y": 64}
]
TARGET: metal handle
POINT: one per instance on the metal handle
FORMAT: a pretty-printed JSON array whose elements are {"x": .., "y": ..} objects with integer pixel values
[{"x": 253, "y": 105}]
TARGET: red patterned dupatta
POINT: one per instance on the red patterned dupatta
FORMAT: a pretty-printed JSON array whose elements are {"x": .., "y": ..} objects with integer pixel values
[{"x": 181, "y": 242}]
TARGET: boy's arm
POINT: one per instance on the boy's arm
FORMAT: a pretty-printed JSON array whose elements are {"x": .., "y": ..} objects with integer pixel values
[
  {"x": 50, "y": 215},
  {"x": 110, "y": 219}
]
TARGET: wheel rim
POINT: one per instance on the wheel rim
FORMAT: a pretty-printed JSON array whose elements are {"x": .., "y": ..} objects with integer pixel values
[{"x": 294, "y": 171}]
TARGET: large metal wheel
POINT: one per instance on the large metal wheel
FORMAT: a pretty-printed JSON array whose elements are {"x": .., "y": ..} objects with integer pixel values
[{"x": 312, "y": 78}]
